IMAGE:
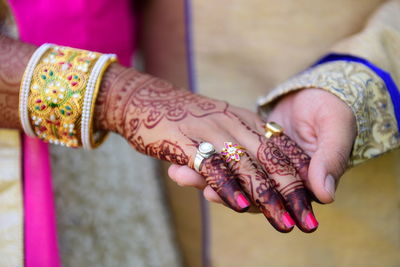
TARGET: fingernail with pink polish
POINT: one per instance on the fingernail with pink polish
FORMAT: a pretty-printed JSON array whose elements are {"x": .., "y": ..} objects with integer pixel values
[
  {"x": 311, "y": 222},
  {"x": 242, "y": 201},
  {"x": 288, "y": 220}
]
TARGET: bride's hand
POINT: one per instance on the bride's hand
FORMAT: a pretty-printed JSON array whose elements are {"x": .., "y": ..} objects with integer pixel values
[{"x": 167, "y": 123}]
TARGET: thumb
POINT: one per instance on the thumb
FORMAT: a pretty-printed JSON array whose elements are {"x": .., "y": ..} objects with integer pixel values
[{"x": 335, "y": 137}]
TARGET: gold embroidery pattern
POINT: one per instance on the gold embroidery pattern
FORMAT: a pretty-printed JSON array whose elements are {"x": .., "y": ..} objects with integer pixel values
[{"x": 363, "y": 91}]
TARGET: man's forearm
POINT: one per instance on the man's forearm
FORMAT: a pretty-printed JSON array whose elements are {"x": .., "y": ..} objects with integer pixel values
[{"x": 14, "y": 57}]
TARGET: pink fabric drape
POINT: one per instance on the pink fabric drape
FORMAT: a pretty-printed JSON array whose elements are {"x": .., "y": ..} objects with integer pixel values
[
  {"x": 97, "y": 25},
  {"x": 40, "y": 236}
]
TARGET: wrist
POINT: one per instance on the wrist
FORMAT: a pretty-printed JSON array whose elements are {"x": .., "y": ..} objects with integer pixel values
[
  {"x": 108, "y": 83},
  {"x": 117, "y": 87}
]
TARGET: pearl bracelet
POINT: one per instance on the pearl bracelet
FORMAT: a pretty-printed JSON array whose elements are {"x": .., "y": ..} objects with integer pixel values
[{"x": 91, "y": 140}]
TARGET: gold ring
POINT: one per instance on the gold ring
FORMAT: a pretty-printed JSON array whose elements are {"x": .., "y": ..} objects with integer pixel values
[
  {"x": 232, "y": 151},
  {"x": 272, "y": 128}
]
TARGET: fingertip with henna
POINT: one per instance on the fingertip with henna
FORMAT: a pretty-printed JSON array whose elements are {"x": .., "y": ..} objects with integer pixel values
[
  {"x": 299, "y": 205},
  {"x": 285, "y": 225},
  {"x": 242, "y": 202},
  {"x": 288, "y": 220},
  {"x": 274, "y": 210},
  {"x": 311, "y": 222}
]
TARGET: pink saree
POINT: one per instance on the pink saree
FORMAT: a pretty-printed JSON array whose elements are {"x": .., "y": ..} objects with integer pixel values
[{"x": 98, "y": 25}]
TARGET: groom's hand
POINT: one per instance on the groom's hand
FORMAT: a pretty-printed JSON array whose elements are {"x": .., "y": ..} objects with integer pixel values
[{"x": 325, "y": 127}]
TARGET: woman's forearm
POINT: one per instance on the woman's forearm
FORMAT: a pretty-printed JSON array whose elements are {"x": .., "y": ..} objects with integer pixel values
[{"x": 14, "y": 57}]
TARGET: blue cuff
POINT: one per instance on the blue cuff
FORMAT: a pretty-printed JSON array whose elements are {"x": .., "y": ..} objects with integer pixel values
[{"x": 385, "y": 76}]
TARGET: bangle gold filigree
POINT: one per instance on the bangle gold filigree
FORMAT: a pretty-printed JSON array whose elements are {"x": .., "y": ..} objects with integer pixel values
[{"x": 57, "y": 91}]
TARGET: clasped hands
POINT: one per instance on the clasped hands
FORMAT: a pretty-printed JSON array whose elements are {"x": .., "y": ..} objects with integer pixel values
[{"x": 277, "y": 176}]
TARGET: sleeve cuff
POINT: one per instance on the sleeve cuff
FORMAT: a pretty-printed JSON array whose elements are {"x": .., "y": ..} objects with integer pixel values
[{"x": 363, "y": 90}]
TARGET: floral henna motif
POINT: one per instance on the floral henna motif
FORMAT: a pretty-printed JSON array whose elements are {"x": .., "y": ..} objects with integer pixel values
[
  {"x": 134, "y": 104},
  {"x": 277, "y": 161},
  {"x": 158, "y": 99},
  {"x": 163, "y": 149},
  {"x": 138, "y": 101},
  {"x": 273, "y": 159},
  {"x": 277, "y": 164},
  {"x": 296, "y": 154},
  {"x": 166, "y": 150}
]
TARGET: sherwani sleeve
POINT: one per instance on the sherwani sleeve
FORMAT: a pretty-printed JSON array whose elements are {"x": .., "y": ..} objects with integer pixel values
[{"x": 362, "y": 70}]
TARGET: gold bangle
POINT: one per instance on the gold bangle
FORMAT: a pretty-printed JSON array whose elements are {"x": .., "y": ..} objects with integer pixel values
[{"x": 56, "y": 94}]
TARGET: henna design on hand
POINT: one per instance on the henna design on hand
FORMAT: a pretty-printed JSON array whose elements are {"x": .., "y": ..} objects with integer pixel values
[
  {"x": 138, "y": 102},
  {"x": 294, "y": 192},
  {"x": 291, "y": 149},
  {"x": 163, "y": 149},
  {"x": 216, "y": 171},
  {"x": 273, "y": 160},
  {"x": 296, "y": 154},
  {"x": 134, "y": 105},
  {"x": 278, "y": 164},
  {"x": 220, "y": 178},
  {"x": 14, "y": 57},
  {"x": 143, "y": 109},
  {"x": 261, "y": 189},
  {"x": 114, "y": 73},
  {"x": 147, "y": 112},
  {"x": 9, "y": 109},
  {"x": 298, "y": 157},
  {"x": 156, "y": 100}
]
